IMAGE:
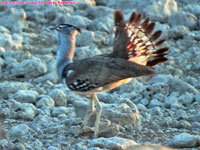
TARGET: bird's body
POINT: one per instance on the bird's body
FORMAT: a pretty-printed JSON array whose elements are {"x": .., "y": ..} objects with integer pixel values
[{"x": 135, "y": 51}]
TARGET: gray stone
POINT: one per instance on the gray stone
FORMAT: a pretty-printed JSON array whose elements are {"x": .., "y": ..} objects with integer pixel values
[
  {"x": 183, "y": 18},
  {"x": 104, "y": 24},
  {"x": 79, "y": 21},
  {"x": 110, "y": 131},
  {"x": 155, "y": 103},
  {"x": 178, "y": 32},
  {"x": 161, "y": 10},
  {"x": 144, "y": 101},
  {"x": 36, "y": 144},
  {"x": 29, "y": 68},
  {"x": 123, "y": 114},
  {"x": 197, "y": 98},
  {"x": 45, "y": 101},
  {"x": 17, "y": 132},
  {"x": 18, "y": 55},
  {"x": 59, "y": 97},
  {"x": 112, "y": 143},
  {"x": 16, "y": 146},
  {"x": 7, "y": 88},
  {"x": 27, "y": 96},
  {"x": 186, "y": 99},
  {"x": 13, "y": 19},
  {"x": 193, "y": 118},
  {"x": 52, "y": 148},
  {"x": 6, "y": 40},
  {"x": 94, "y": 38},
  {"x": 3, "y": 143},
  {"x": 59, "y": 110},
  {"x": 156, "y": 111},
  {"x": 193, "y": 8},
  {"x": 141, "y": 107},
  {"x": 98, "y": 11},
  {"x": 176, "y": 85},
  {"x": 86, "y": 51},
  {"x": 184, "y": 140},
  {"x": 25, "y": 111},
  {"x": 52, "y": 77},
  {"x": 182, "y": 124}
]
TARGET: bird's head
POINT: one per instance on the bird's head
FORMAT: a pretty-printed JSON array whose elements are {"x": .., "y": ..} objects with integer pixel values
[{"x": 66, "y": 29}]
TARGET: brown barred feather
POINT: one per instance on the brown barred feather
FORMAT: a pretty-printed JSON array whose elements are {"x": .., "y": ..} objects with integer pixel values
[
  {"x": 137, "y": 19},
  {"x": 156, "y": 35},
  {"x": 150, "y": 27},
  {"x": 145, "y": 23},
  {"x": 160, "y": 42},
  {"x": 161, "y": 50},
  {"x": 118, "y": 17},
  {"x": 135, "y": 41},
  {"x": 132, "y": 17}
]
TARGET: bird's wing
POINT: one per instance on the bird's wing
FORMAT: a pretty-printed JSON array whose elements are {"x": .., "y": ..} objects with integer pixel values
[
  {"x": 135, "y": 41},
  {"x": 91, "y": 73}
]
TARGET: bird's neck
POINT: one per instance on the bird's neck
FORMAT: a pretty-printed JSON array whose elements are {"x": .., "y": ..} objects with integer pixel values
[{"x": 65, "y": 52}]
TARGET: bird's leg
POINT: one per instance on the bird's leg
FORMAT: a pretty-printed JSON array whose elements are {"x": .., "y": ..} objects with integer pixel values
[
  {"x": 98, "y": 115},
  {"x": 90, "y": 111}
]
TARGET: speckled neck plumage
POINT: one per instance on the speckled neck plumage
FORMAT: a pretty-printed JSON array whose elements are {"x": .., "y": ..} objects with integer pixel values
[{"x": 65, "y": 52}]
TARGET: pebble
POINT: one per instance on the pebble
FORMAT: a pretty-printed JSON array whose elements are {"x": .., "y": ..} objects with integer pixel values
[
  {"x": 59, "y": 110},
  {"x": 29, "y": 68},
  {"x": 183, "y": 18},
  {"x": 59, "y": 97},
  {"x": 18, "y": 132},
  {"x": 7, "y": 88},
  {"x": 112, "y": 143},
  {"x": 25, "y": 111},
  {"x": 45, "y": 101},
  {"x": 184, "y": 140},
  {"x": 27, "y": 96}
]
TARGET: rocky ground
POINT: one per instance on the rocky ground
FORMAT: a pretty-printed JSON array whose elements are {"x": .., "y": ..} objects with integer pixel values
[{"x": 37, "y": 112}]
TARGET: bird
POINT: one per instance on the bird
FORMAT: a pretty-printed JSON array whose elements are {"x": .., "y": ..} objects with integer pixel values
[{"x": 136, "y": 49}]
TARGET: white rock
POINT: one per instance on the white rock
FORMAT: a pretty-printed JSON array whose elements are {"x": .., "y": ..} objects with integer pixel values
[
  {"x": 175, "y": 85},
  {"x": 33, "y": 67},
  {"x": 98, "y": 11},
  {"x": 59, "y": 97},
  {"x": 141, "y": 107},
  {"x": 85, "y": 52},
  {"x": 183, "y": 18},
  {"x": 104, "y": 24},
  {"x": 7, "y": 88},
  {"x": 79, "y": 21},
  {"x": 27, "y": 96},
  {"x": 45, "y": 101},
  {"x": 184, "y": 140},
  {"x": 13, "y": 19},
  {"x": 6, "y": 40},
  {"x": 112, "y": 143},
  {"x": 59, "y": 110},
  {"x": 18, "y": 131},
  {"x": 161, "y": 10},
  {"x": 52, "y": 77},
  {"x": 26, "y": 111}
]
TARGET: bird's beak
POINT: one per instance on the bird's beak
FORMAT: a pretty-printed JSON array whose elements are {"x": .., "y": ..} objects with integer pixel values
[
  {"x": 79, "y": 30},
  {"x": 50, "y": 28}
]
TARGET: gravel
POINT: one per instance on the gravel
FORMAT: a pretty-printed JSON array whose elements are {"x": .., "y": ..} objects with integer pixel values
[{"x": 37, "y": 112}]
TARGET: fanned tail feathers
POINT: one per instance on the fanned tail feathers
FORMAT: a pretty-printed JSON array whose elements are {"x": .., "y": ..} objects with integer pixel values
[{"x": 142, "y": 46}]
